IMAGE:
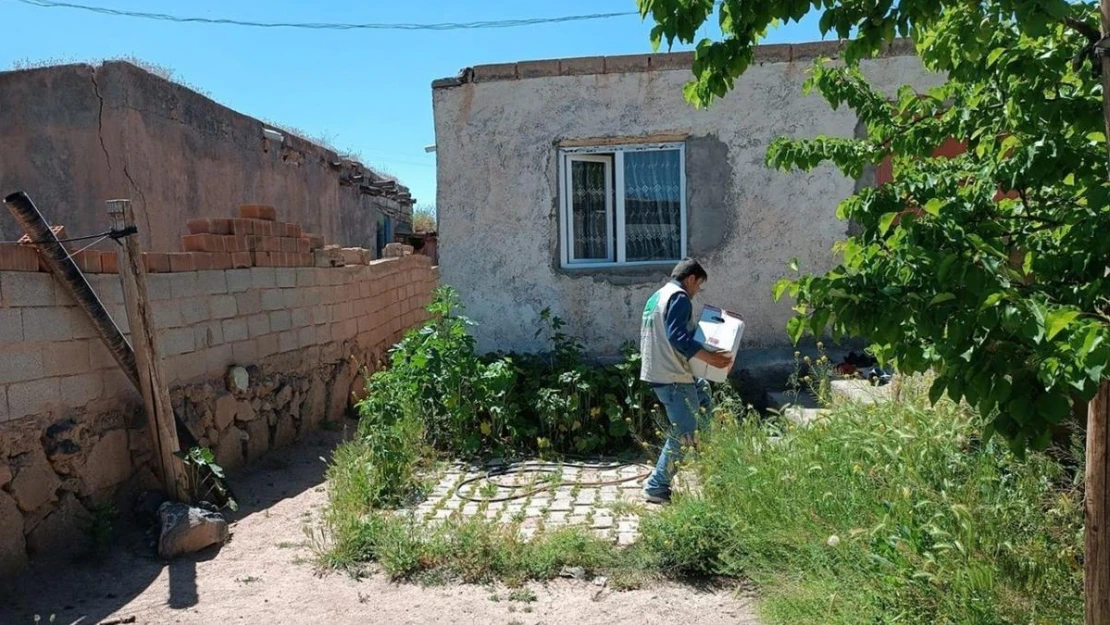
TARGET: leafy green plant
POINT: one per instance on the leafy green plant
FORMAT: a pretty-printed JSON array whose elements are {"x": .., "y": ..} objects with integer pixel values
[
  {"x": 99, "y": 526},
  {"x": 206, "y": 478},
  {"x": 553, "y": 402}
]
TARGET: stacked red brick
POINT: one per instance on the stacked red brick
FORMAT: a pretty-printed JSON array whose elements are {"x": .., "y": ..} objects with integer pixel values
[{"x": 254, "y": 239}]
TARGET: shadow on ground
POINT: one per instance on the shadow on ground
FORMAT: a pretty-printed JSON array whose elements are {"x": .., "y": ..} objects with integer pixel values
[{"x": 87, "y": 592}]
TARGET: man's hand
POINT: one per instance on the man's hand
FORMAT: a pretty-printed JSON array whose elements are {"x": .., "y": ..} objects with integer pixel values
[{"x": 720, "y": 360}]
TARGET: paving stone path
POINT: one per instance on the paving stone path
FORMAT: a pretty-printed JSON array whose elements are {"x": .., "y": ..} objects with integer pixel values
[{"x": 535, "y": 496}]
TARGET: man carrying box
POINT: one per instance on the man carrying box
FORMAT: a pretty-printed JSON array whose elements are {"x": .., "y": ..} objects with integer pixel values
[{"x": 666, "y": 346}]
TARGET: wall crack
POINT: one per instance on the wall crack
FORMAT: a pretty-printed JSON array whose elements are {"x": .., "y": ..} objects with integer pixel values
[{"x": 100, "y": 119}]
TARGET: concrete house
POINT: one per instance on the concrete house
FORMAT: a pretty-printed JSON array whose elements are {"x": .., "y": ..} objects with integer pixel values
[{"x": 576, "y": 184}]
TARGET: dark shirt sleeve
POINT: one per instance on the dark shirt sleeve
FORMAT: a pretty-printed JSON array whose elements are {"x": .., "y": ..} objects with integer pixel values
[{"x": 679, "y": 334}]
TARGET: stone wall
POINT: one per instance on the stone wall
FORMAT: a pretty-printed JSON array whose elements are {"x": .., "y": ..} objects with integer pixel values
[
  {"x": 499, "y": 129},
  {"x": 72, "y": 431},
  {"x": 76, "y": 135}
]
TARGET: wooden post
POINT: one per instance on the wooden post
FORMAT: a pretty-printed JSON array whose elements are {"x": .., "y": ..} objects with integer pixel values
[
  {"x": 1096, "y": 531},
  {"x": 72, "y": 280},
  {"x": 148, "y": 356},
  {"x": 1096, "y": 558}
]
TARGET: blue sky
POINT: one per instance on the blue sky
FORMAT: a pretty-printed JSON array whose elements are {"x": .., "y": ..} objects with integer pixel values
[{"x": 364, "y": 91}]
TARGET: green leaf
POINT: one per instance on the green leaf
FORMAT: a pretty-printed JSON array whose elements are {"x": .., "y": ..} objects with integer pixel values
[
  {"x": 933, "y": 206},
  {"x": 992, "y": 299},
  {"x": 1053, "y": 407},
  {"x": 936, "y": 391},
  {"x": 780, "y": 287},
  {"x": 994, "y": 55},
  {"x": 796, "y": 328},
  {"x": 1056, "y": 321},
  {"x": 886, "y": 221},
  {"x": 940, "y": 298}
]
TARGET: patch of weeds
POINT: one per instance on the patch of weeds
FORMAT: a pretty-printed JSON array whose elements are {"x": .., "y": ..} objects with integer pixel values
[
  {"x": 250, "y": 579},
  {"x": 99, "y": 526},
  {"x": 626, "y": 508},
  {"x": 488, "y": 490},
  {"x": 495, "y": 598},
  {"x": 285, "y": 544}
]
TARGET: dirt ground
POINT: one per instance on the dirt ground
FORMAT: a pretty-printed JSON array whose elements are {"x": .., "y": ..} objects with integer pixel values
[{"x": 266, "y": 575}]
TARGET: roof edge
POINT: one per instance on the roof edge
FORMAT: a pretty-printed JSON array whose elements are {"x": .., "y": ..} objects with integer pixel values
[{"x": 634, "y": 63}]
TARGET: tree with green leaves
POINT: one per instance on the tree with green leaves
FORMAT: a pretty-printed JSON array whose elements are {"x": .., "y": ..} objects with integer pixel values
[{"x": 988, "y": 268}]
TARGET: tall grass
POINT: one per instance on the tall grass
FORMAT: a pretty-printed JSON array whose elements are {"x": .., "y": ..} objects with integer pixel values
[{"x": 892, "y": 513}]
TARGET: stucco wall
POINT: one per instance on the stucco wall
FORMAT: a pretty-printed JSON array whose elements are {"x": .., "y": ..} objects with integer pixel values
[
  {"x": 74, "y": 136},
  {"x": 496, "y": 134}
]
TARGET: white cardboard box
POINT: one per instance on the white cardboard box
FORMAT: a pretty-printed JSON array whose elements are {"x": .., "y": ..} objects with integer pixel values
[{"x": 721, "y": 330}]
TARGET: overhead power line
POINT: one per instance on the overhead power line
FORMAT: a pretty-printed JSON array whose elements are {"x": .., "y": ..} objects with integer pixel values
[{"x": 330, "y": 25}]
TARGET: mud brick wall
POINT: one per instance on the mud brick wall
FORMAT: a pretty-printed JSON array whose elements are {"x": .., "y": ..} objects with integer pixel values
[
  {"x": 305, "y": 325},
  {"x": 76, "y": 135}
]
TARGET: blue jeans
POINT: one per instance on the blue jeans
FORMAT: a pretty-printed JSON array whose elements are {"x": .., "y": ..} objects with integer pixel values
[{"x": 681, "y": 402}]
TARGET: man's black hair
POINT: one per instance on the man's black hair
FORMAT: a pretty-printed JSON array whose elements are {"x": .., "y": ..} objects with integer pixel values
[{"x": 688, "y": 267}]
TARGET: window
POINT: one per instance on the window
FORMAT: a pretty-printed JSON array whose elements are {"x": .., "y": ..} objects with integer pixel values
[{"x": 622, "y": 205}]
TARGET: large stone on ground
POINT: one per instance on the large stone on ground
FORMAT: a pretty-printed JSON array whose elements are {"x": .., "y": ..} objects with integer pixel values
[
  {"x": 5, "y": 473},
  {"x": 61, "y": 530},
  {"x": 109, "y": 462},
  {"x": 187, "y": 530},
  {"x": 13, "y": 547},
  {"x": 35, "y": 482}
]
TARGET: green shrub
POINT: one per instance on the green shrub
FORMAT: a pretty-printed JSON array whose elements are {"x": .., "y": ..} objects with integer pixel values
[
  {"x": 690, "y": 537},
  {"x": 551, "y": 402},
  {"x": 896, "y": 512}
]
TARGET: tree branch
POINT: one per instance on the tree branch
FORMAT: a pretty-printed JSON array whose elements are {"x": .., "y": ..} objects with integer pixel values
[{"x": 1083, "y": 28}]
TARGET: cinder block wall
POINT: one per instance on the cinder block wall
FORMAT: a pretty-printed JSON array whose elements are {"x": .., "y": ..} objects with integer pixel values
[{"x": 72, "y": 431}]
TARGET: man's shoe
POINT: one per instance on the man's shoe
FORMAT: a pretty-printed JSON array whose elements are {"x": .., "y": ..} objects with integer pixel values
[{"x": 655, "y": 498}]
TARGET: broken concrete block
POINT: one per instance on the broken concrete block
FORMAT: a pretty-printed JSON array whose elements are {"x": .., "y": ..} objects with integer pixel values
[
  {"x": 356, "y": 256},
  {"x": 329, "y": 256},
  {"x": 393, "y": 250},
  {"x": 186, "y": 529}
]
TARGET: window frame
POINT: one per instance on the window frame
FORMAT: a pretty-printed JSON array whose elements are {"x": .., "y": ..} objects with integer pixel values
[{"x": 613, "y": 155}]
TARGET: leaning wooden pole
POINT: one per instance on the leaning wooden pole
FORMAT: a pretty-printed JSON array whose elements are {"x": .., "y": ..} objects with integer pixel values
[
  {"x": 72, "y": 280},
  {"x": 148, "y": 355}
]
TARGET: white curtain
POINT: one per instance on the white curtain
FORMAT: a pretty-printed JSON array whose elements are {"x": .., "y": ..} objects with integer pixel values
[
  {"x": 653, "y": 205},
  {"x": 588, "y": 185}
]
